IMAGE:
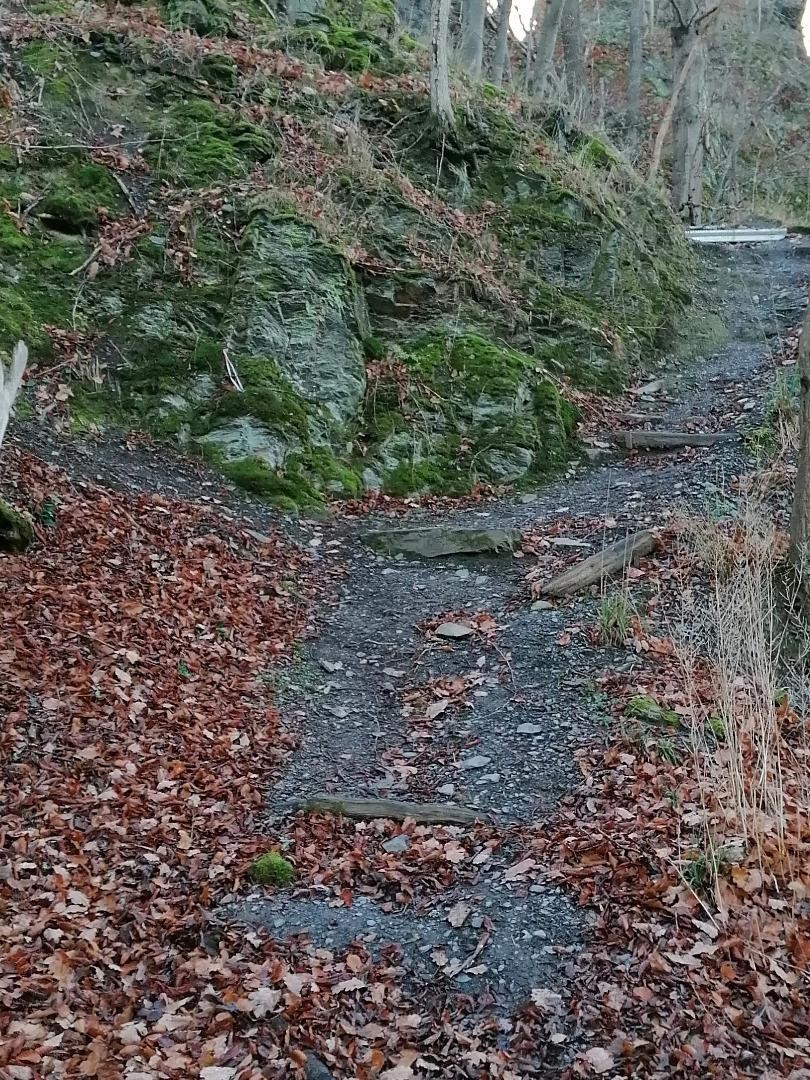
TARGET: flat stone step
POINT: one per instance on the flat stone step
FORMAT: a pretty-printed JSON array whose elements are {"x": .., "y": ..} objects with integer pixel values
[{"x": 438, "y": 541}]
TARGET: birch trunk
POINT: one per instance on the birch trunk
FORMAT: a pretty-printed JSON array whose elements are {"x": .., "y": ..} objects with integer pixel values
[
  {"x": 546, "y": 45},
  {"x": 501, "y": 42},
  {"x": 440, "y": 104},
  {"x": 573, "y": 43},
  {"x": 635, "y": 63},
  {"x": 472, "y": 36},
  {"x": 800, "y": 518},
  {"x": 10, "y": 383}
]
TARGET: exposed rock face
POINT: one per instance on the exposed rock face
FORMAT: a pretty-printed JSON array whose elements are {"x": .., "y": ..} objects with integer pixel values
[{"x": 296, "y": 303}]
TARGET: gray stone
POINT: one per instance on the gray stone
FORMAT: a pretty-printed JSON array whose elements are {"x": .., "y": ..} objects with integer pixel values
[
  {"x": 542, "y": 605},
  {"x": 433, "y": 543},
  {"x": 507, "y": 465},
  {"x": 597, "y": 454},
  {"x": 568, "y": 542},
  {"x": 371, "y": 481},
  {"x": 397, "y": 844},
  {"x": 453, "y": 630},
  {"x": 244, "y": 437},
  {"x": 530, "y": 729},
  {"x": 478, "y": 761}
]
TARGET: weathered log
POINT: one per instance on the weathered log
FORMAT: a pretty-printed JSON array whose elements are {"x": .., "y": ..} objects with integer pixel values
[
  {"x": 641, "y": 418},
  {"x": 609, "y": 561},
  {"x": 666, "y": 440},
  {"x": 368, "y": 809}
]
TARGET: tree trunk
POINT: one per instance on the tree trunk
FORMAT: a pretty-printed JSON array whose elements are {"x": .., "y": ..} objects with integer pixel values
[
  {"x": 800, "y": 518},
  {"x": 10, "y": 383},
  {"x": 501, "y": 42},
  {"x": 440, "y": 104},
  {"x": 666, "y": 119},
  {"x": 546, "y": 45},
  {"x": 15, "y": 530},
  {"x": 531, "y": 41},
  {"x": 573, "y": 43},
  {"x": 472, "y": 36},
  {"x": 635, "y": 64},
  {"x": 688, "y": 48}
]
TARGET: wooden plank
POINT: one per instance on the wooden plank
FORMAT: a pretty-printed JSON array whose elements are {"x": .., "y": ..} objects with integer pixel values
[
  {"x": 609, "y": 561},
  {"x": 666, "y": 440},
  {"x": 368, "y": 809},
  {"x": 735, "y": 236}
]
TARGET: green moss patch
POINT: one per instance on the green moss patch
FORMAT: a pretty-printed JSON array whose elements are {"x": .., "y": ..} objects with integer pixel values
[
  {"x": 76, "y": 194},
  {"x": 272, "y": 869},
  {"x": 200, "y": 143}
]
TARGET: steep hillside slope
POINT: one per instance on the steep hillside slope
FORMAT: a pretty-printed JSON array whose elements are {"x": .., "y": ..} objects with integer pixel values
[{"x": 247, "y": 237}]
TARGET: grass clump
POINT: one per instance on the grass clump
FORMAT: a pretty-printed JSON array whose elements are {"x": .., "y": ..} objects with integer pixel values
[
  {"x": 614, "y": 617},
  {"x": 272, "y": 869}
]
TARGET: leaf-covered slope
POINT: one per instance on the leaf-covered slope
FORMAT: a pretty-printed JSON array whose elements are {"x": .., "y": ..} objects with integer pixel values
[{"x": 252, "y": 241}]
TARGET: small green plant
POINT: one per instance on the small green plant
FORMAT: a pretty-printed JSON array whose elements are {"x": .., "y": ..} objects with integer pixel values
[
  {"x": 46, "y": 512},
  {"x": 615, "y": 613},
  {"x": 666, "y": 749},
  {"x": 717, "y": 727},
  {"x": 702, "y": 870},
  {"x": 272, "y": 869},
  {"x": 647, "y": 709}
]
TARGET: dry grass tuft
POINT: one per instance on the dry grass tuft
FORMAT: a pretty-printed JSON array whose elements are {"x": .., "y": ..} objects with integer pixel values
[{"x": 753, "y": 760}]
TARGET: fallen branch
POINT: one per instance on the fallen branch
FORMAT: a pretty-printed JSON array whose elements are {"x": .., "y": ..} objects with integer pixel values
[
  {"x": 658, "y": 440},
  {"x": 368, "y": 809},
  {"x": 609, "y": 561}
]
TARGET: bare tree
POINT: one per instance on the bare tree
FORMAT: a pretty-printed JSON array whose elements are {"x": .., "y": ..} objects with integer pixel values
[
  {"x": 440, "y": 104},
  {"x": 690, "y": 24},
  {"x": 549, "y": 32},
  {"x": 635, "y": 63},
  {"x": 573, "y": 43},
  {"x": 10, "y": 383},
  {"x": 15, "y": 530},
  {"x": 531, "y": 39},
  {"x": 473, "y": 14},
  {"x": 501, "y": 42},
  {"x": 800, "y": 518}
]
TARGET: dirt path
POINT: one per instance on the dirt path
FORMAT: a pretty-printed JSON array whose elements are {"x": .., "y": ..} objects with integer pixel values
[{"x": 519, "y": 699}]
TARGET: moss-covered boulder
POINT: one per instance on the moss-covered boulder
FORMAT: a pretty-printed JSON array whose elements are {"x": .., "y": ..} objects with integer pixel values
[
  {"x": 460, "y": 409},
  {"x": 296, "y": 303},
  {"x": 16, "y": 531}
]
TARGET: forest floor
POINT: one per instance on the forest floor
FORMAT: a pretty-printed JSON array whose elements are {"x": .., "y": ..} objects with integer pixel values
[{"x": 183, "y": 667}]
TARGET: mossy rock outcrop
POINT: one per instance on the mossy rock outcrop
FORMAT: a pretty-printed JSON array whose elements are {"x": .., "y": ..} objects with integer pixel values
[
  {"x": 16, "y": 531},
  {"x": 474, "y": 411},
  {"x": 315, "y": 293}
]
